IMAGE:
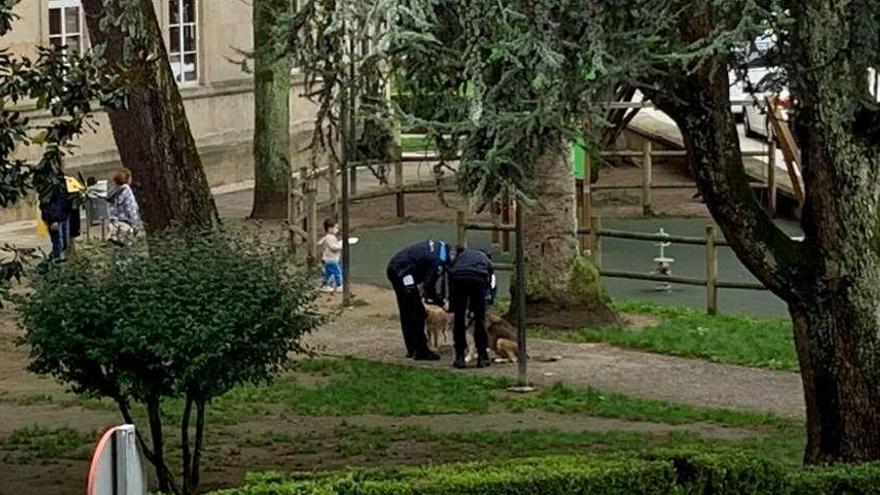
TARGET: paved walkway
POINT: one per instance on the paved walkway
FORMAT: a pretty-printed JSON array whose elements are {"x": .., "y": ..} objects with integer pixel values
[{"x": 372, "y": 332}]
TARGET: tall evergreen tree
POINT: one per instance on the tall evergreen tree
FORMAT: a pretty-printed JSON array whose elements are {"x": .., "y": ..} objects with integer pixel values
[{"x": 272, "y": 67}]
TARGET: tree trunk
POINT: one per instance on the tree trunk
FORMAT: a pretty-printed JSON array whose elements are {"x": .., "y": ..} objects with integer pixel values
[
  {"x": 831, "y": 280},
  {"x": 563, "y": 290},
  {"x": 152, "y": 133},
  {"x": 186, "y": 452},
  {"x": 272, "y": 112},
  {"x": 163, "y": 474},
  {"x": 195, "y": 471}
]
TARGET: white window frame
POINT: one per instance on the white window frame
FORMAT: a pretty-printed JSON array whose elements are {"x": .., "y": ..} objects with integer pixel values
[
  {"x": 183, "y": 53},
  {"x": 63, "y": 5}
]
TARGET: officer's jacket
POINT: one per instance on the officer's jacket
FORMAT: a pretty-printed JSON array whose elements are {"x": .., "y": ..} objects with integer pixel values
[
  {"x": 471, "y": 264},
  {"x": 425, "y": 262}
]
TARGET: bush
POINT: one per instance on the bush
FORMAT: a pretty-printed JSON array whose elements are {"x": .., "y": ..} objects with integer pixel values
[
  {"x": 550, "y": 475},
  {"x": 675, "y": 473},
  {"x": 861, "y": 479},
  {"x": 179, "y": 315}
]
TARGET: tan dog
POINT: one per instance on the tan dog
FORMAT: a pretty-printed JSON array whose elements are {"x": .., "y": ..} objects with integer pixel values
[
  {"x": 498, "y": 330},
  {"x": 507, "y": 350},
  {"x": 436, "y": 322}
]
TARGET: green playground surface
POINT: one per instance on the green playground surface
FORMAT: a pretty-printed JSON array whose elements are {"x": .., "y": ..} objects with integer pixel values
[{"x": 370, "y": 257}]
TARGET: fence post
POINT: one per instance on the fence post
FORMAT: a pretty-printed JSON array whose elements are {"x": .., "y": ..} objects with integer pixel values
[
  {"x": 647, "y": 164},
  {"x": 398, "y": 184},
  {"x": 505, "y": 219},
  {"x": 292, "y": 201},
  {"x": 581, "y": 208},
  {"x": 588, "y": 193},
  {"x": 495, "y": 235},
  {"x": 461, "y": 224},
  {"x": 313, "y": 219},
  {"x": 771, "y": 178},
  {"x": 596, "y": 241},
  {"x": 711, "y": 272}
]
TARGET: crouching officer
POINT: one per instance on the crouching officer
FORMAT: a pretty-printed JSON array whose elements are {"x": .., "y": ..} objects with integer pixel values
[
  {"x": 472, "y": 286},
  {"x": 424, "y": 265}
]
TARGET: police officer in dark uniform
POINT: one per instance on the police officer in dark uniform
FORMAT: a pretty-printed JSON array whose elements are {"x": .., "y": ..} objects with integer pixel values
[
  {"x": 472, "y": 286},
  {"x": 420, "y": 265}
]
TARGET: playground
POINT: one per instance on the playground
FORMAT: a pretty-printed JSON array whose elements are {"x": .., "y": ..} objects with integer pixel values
[{"x": 671, "y": 377}]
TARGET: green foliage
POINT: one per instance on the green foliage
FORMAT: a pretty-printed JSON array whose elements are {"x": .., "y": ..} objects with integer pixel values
[
  {"x": 733, "y": 339},
  {"x": 547, "y": 476},
  {"x": 559, "y": 398},
  {"x": 183, "y": 315},
  {"x": 361, "y": 387},
  {"x": 65, "y": 85},
  {"x": 672, "y": 472},
  {"x": 355, "y": 386},
  {"x": 49, "y": 443},
  {"x": 13, "y": 263},
  {"x": 194, "y": 313}
]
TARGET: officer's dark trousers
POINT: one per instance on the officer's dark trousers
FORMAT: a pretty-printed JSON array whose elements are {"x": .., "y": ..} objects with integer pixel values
[
  {"x": 412, "y": 316},
  {"x": 469, "y": 294}
]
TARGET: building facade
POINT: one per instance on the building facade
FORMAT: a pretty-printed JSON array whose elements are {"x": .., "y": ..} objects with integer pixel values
[{"x": 203, "y": 38}]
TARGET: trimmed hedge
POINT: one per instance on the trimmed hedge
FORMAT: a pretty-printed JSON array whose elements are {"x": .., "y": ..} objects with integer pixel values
[{"x": 676, "y": 473}]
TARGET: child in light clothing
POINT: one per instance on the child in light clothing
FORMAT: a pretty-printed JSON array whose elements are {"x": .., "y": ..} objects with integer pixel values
[{"x": 331, "y": 247}]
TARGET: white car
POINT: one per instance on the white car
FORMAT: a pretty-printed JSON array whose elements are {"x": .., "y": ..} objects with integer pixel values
[
  {"x": 738, "y": 90},
  {"x": 756, "y": 72}
]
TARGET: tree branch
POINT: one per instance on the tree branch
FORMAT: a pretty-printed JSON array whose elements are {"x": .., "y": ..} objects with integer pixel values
[{"x": 701, "y": 110}]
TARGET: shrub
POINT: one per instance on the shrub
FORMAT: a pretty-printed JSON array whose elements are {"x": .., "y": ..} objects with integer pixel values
[
  {"x": 180, "y": 315},
  {"x": 675, "y": 473},
  {"x": 863, "y": 479},
  {"x": 552, "y": 475}
]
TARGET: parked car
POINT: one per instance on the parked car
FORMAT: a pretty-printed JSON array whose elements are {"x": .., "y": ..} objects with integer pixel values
[{"x": 756, "y": 72}]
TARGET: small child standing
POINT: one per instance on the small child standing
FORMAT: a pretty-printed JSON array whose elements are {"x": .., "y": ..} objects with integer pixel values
[{"x": 331, "y": 247}]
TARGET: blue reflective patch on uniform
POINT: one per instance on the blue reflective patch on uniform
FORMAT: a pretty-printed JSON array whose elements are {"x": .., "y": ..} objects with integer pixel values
[{"x": 442, "y": 254}]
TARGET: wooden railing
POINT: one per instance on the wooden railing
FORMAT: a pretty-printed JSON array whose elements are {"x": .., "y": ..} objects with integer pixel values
[
  {"x": 303, "y": 204},
  {"x": 595, "y": 233}
]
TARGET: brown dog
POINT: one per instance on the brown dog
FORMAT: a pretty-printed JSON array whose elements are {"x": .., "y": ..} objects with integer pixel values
[
  {"x": 436, "y": 322},
  {"x": 498, "y": 330},
  {"x": 507, "y": 350}
]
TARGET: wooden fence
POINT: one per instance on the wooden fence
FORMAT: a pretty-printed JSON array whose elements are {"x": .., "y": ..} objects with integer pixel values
[
  {"x": 303, "y": 205},
  {"x": 595, "y": 233}
]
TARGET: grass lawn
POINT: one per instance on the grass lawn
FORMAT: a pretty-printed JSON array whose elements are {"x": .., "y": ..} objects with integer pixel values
[
  {"x": 330, "y": 413},
  {"x": 415, "y": 143},
  {"x": 732, "y": 339}
]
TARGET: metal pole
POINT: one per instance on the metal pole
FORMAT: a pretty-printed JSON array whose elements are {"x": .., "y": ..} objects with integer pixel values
[
  {"x": 521, "y": 379},
  {"x": 346, "y": 107}
]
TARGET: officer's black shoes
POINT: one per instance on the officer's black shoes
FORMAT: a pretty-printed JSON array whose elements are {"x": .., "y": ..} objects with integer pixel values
[
  {"x": 459, "y": 361},
  {"x": 483, "y": 362},
  {"x": 426, "y": 356}
]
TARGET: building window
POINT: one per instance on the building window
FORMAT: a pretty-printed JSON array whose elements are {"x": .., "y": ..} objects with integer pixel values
[
  {"x": 183, "y": 40},
  {"x": 66, "y": 25}
]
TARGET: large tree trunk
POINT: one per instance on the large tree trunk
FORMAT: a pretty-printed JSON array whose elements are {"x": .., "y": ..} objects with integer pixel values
[
  {"x": 271, "y": 111},
  {"x": 831, "y": 280},
  {"x": 563, "y": 290},
  {"x": 838, "y": 329},
  {"x": 152, "y": 134}
]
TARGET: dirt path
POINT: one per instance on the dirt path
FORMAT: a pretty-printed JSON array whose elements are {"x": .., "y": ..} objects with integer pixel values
[{"x": 372, "y": 332}]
